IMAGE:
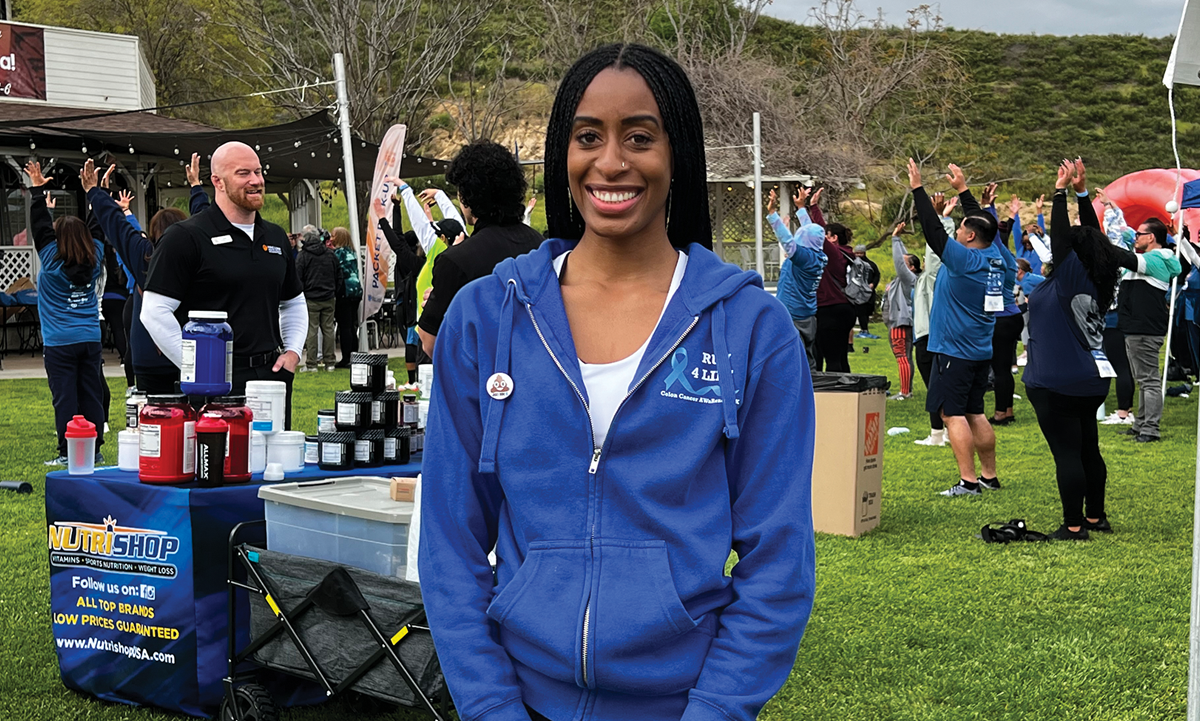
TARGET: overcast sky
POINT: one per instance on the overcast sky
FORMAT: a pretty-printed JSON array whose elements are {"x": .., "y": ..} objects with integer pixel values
[{"x": 1154, "y": 18}]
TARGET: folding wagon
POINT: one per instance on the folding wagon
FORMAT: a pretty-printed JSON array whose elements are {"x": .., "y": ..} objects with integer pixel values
[{"x": 343, "y": 628}]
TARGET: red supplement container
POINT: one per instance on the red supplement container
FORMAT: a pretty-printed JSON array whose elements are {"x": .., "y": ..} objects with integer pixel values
[
  {"x": 237, "y": 414},
  {"x": 167, "y": 440}
]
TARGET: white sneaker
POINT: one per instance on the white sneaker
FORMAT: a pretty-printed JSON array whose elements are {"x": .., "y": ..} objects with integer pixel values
[
  {"x": 936, "y": 438},
  {"x": 1023, "y": 360},
  {"x": 1114, "y": 419}
]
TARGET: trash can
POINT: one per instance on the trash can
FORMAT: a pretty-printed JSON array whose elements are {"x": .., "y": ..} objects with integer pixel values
[{"x": 848, "y": 461}]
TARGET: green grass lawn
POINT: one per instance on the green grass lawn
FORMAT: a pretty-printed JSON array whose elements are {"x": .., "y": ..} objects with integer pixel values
[{"x": 915, "y": 620}]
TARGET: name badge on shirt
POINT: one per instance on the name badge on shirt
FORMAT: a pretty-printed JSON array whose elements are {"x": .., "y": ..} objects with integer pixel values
[
  {"x": 993, "y": 299},
  {"x": 273, "y": 249},
  {"x": 1102, "y": 364},
  {"x": 222, "y": 239}
]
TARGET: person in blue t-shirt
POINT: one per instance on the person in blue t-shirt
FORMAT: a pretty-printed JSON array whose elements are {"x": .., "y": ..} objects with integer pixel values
[
  {"x": 800, "y": 273},
  {"x": 968, "y": 293},
  {"x": 69, "y": 308},
  {"x": 1026, "y": 278}
]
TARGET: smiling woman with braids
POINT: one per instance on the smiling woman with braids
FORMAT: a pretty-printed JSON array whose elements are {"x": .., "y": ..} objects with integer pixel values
[{"x": 614, "y": 413}]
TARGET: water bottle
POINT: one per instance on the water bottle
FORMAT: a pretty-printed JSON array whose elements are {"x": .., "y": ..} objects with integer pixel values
[{"x": 81, "y": 446}]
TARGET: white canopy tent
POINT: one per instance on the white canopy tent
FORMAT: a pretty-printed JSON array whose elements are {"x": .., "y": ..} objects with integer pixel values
[{"x": 1184, "y": 68}]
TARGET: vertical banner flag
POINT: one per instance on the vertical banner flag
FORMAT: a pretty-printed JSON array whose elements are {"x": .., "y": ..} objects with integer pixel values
[
  {"x": 1183, "y": 67},
  {"x": 379, "y": 253}
]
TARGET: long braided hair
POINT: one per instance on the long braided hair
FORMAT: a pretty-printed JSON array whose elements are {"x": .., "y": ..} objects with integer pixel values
[{"x": 681, "y": 117}]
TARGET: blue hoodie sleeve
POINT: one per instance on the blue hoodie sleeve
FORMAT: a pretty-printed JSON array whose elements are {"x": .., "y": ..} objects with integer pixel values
[
  {"x": 459, "y": 511},
  {"x": 774, "y": 579},
  {"x": 132, "y": 247},
  {"x": 786, "y": 240},
  {"x": 198, "y": 201}
]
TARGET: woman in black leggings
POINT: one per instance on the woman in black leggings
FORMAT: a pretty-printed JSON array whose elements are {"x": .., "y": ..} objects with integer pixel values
[
  {"x": 835, "y": 314},
  {"x": 1064, "y": 379}
]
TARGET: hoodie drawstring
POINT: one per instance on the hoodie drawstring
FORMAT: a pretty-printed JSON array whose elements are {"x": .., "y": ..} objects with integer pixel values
[
  {"x": 729, "y": 392},
  {"x": 490, "y": 444}
]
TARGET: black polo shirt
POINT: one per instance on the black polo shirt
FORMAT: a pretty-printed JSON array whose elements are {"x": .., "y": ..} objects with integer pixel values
[
  {"x": 475, "y": 257},
  {"x": 208, "y": 264}
]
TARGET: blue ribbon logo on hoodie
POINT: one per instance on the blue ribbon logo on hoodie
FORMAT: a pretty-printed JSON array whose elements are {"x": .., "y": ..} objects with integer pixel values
[{"x": 679, "y": 374}]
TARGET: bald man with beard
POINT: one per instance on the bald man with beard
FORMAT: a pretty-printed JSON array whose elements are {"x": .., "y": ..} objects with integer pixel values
[{"x": 228, "y": 258}]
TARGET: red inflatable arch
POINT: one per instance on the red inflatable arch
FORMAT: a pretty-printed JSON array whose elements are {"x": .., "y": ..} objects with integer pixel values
[{"x": 1144, "y": 195}]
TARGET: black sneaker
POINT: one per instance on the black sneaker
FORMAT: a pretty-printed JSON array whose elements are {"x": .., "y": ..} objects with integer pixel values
[
  {"x": 985, "y": 484},
  {"x": 1129, "y": 432},
  {"x": 1065, "y": 534},
  {"x": 1143, "y": 438},
  {"x": 1102, "y": 525}
]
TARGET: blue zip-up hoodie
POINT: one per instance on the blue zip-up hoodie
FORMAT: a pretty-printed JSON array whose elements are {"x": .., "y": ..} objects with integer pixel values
[{"x": 610, "y": 599}]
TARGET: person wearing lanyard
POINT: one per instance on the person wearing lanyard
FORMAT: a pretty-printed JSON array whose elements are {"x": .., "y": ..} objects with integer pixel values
[
  {"x": 228, "y": 258},
  {"x": 968, "y": 292},
  {"x": 659, "y": 414}
]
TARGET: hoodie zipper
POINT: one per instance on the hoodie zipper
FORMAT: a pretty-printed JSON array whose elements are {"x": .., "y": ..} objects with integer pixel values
[
  {"x": 587, "y": 611},
  {"x": 595, "y": 463}
]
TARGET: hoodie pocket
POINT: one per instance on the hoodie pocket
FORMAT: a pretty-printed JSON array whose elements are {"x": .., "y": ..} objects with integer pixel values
[
  {"x": 645, "y": 642},
  {"x": 540, "y": 611}
]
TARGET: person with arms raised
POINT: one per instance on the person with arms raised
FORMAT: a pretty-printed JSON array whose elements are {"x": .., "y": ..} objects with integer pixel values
[
  {"x": 69, "y": 308},
  {"x": 800, "y": 273},
  {"x": 1068, "y": 375},
  {"x": 899, "y": 314},
  {"x": 968, "y": 293},
  {"x": 922, "y": 305}
]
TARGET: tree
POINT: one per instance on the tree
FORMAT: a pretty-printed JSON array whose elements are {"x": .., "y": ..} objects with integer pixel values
[{"x": 396, "y": 52}]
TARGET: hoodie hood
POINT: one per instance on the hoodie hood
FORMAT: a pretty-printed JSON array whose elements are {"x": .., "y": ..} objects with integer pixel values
[
  {"x": 811, "y": 236},
  {"x": 316, "y": 246},
  {"x": 531, "y": 286}
]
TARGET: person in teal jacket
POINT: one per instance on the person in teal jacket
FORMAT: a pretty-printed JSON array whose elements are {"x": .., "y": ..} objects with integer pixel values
[{"x": 614, "y": 413}]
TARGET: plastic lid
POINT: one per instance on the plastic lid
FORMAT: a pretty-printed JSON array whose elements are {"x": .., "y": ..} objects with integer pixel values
[
  {"x": 169, "y": 399},
  {"x": 327, "y": 412},
  {"x": 310, "y": 439},
  {"x": 388, "y": 396},
  {"x": 266, "y": 387},
  {"x": 373, "y": 435},
  {"x": 229, "y": 400},
  {"x": 207, "y": 315},
  {"x": 371, "y": 359},
  {"x": 80, "y": 427},
  {"x": 398, "y": 432},
  {"x": 410, "y": 397},
  {"x": 353, "y": 397},
  {"x": 342, "y": 437},
  {"x": 848, "y": 382},
  {"x": 211, "y": 423},
  {"x": 282, "y": 438},
  {"x": 367, "y": 497}
]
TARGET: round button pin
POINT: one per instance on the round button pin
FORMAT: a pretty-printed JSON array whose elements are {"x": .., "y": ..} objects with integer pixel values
[{"x": 500, "y": 386}]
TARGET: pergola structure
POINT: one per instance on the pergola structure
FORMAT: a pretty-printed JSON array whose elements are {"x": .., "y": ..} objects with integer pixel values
[{"x": 150, "y": 152}]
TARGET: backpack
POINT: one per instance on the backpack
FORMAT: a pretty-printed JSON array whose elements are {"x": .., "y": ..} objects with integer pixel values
[{"x": 858, "y": 281}]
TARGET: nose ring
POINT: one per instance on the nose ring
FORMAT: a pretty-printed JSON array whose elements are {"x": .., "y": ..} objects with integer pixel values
[{"x": 622, "y": 163}]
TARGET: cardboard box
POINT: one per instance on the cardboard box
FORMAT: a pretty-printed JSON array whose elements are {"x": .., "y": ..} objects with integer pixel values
[
  {"x": 848, "y": 461},
  {"x": 404, "y": 489}
]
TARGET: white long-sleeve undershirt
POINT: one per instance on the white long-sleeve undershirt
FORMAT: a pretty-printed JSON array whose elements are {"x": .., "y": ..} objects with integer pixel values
[
  {"x": 158, "y": 316},
  {"x": 293, "y": 323}
]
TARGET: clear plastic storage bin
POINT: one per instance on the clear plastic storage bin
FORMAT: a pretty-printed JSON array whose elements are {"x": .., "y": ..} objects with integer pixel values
[{"x": 352, "y": 521}]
